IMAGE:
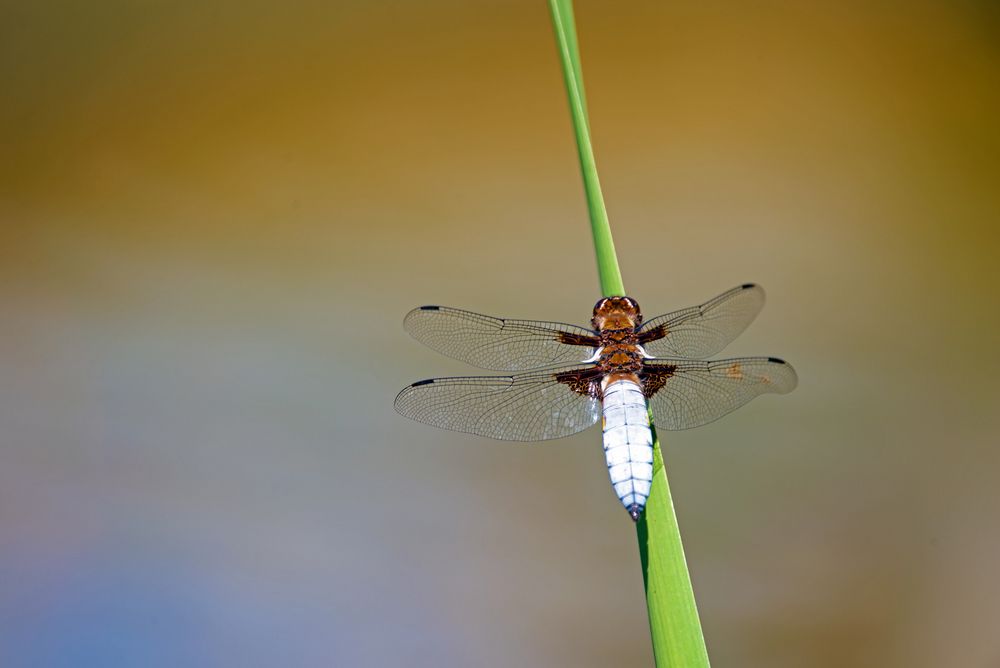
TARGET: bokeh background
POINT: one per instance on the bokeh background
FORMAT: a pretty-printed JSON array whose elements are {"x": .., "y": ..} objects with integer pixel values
[{"x": 213, "y": 216}]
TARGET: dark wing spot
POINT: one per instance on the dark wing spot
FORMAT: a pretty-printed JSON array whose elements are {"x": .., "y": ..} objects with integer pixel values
[
  {"x": 655, "y": 377},
  {"x": 573, "y": 339},
  {"x": 776, "y": 360},
  {"x": 430, "y": 308},
  {"x": 422, "y": 382},
  {"x": 747, "y": 286},
  {"x": 582, "y": 381},
  {"x": 654, "y": 334}
]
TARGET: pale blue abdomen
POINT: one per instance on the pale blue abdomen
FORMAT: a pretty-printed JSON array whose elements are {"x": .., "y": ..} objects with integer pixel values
[{"x": 628, "y": 443}]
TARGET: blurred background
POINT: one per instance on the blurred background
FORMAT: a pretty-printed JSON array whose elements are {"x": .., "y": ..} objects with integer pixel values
[{"x": 214, "y": 215}]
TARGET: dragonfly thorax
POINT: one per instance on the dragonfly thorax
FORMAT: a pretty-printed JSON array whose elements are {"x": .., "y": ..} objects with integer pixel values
[
  {"x": 619, "y": 358},
  {"x": 616, "y": 320}
]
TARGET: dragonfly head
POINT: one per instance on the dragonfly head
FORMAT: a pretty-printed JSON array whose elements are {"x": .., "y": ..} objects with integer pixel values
[{"x": 616, "y": 313}]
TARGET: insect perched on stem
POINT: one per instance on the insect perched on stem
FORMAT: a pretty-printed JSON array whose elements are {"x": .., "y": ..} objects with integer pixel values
[{"x": 618, "y": 370}]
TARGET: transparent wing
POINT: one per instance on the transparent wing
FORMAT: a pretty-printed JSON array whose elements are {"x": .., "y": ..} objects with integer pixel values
[
  {"x": 497, "y": 343},
  {"x": 702, "y": 331},
  {"x": 688, "y": 393},
  {"x": 535, "y": 406}
]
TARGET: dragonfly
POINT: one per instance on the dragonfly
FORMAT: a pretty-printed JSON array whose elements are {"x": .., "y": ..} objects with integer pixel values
[{"x": 565, "y": 377}]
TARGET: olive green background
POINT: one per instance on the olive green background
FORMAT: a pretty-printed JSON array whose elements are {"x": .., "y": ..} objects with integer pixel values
[{"x": 213, "y": 217}]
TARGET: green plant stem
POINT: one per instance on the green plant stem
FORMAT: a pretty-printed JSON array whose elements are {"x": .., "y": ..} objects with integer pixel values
[
  {"x": 673, "y": 615},
  {"x": 607, "y": 260},
  {"x": 674, "y": 625}
]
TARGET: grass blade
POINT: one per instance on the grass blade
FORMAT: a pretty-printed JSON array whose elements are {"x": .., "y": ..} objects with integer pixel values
[{"x": 607, "y": 260}]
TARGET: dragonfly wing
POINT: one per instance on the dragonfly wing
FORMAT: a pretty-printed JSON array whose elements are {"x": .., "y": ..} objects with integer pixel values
[
  {"x": 702, "y": 331},
  {"x": 497, "y": 343},
  {"x": 535, "y": 406},
  {"x": 689, "y": 393}
]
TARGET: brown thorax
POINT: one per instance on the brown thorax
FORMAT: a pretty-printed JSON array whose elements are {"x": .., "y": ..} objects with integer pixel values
[{"x": 616, "y": 320}]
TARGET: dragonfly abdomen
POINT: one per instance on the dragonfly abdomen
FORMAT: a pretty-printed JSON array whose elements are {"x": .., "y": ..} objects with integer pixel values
[{"x": 628, "y": 441}]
